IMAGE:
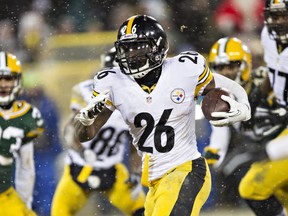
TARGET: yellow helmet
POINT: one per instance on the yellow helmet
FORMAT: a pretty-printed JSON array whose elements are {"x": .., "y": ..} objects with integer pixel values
[
  {"x": 10, "y": 67},
  {"x": 229, "y": 50}
]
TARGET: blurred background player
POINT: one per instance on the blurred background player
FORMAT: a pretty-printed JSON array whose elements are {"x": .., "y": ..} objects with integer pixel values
[
  {"x": 269, "y": 177},
  {"x": 47, "y": 147},
  {"x": 230, "y": 57},
  {"x": 20, "y": 123},
  {"x": 97, "y": 165}
]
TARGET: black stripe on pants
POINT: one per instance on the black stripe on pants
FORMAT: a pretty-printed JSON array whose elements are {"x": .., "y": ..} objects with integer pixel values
[{"x": 190, "y": 188}]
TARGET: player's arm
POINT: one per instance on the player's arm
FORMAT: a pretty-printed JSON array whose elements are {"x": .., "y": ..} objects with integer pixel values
[
  {"x": 25, "y": 173},
  {"x": 216, "y": 151}
]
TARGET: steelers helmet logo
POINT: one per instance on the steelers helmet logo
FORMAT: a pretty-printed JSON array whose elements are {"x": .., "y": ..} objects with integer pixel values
[{"x": 178, "y": 95}]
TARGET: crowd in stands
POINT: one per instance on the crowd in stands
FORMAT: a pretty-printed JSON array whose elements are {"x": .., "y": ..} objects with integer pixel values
[{"x": 193, "y": 25}]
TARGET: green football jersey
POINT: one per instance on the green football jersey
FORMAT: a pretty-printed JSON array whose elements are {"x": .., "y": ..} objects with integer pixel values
[{"x": 18, "y": 126}]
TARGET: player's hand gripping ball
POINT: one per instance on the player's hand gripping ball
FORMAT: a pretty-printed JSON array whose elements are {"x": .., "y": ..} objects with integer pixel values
[{"x": 212, "y": 102}]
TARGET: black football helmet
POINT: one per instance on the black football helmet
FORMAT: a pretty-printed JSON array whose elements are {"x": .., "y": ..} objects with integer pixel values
[
  {"x": 108, "y": 59},
  {"x": 276, "y": 19},
  {"x": 141, "y": 45}
]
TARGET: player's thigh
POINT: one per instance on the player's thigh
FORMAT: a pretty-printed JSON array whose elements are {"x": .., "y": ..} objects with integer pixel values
[
  {"x": 11, "y": 204},
  {"x": 263, "y": 179},
  {"x": 69, "y": 197},
  {"x": 120, "y": 194},
  {"x": 180, "y": 192}
]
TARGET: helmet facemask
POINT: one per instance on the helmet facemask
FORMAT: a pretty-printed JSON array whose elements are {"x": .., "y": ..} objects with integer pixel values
[
  {"x": 276, "y": 19},
  {"x": 138, "y": 57},
  {"x": 9, "y": 93},
  {"x": 230, "y": 69},
  {"x": 10, "y": 78}
]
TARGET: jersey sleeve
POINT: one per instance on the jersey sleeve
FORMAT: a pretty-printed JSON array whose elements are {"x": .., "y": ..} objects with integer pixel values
[
  {"x": 197, "y": 65},
  {"x": 103, "y": 81},
  {"x": 35, "y": 125},
  {"x": 204, "y": 78},
  {"x": 81, "y": 94}
]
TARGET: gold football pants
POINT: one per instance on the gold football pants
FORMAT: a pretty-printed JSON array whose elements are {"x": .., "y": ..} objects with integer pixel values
[
  {"x": 181, "y": 191},
  {"x": 264, "y": 179},
  {"x": 12, "y": 205},
  {"x": 69, "y": 197}
]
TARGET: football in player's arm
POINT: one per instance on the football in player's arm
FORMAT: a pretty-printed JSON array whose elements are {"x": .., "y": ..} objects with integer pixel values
[
  {"x": 97, "y": 165},
  {"x": 156, "y": 97},
  {"x": 20, "y": 123}
]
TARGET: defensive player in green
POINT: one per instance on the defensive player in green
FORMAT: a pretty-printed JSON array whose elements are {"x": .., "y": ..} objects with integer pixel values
[
  {"x": 234, "y": 148},
  {"x": 20, "y": 123}
]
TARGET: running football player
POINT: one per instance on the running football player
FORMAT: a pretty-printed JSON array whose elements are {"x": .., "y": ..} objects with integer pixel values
[{"x": 156, "y": 97}]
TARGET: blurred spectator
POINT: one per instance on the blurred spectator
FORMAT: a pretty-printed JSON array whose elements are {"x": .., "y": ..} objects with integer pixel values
[
  {"x": 33, "y": 31},
  {"x": 193, "y": 24},
  {"x": 235, "y": 17},
  {"x": 12, "y": 9},
  {"x": 88, "y": 11},
  {"x": 47, "y": 147},
  {"x": 120, "y": 13},
  {"x": 66, "y": 25},
  {"x": 8, "y": 40},
  {"x": 42, "y": 6}
]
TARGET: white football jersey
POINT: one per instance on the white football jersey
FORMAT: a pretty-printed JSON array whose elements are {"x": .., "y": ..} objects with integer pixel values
[
  {"x": 109, "y": 143},
  {"x": 162, "y": 123},
  {"x": 278, "y": 66}
]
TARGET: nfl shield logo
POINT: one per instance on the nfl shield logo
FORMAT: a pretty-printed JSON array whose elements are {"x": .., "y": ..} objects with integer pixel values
[{"x": 149, "y": 99}]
